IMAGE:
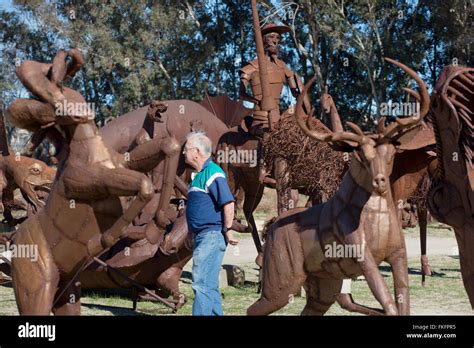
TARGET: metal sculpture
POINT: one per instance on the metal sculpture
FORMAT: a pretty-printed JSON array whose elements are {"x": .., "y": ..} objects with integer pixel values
[
  {"x": 161, "y": 271},
  {"x": 266, "y": 76},
  {"x": 414, "y": 160},
  {"x": 303, "y": 246},
  {"x": 33, "y": 177},
  {"x": 83, "y": 215},
  {"x": 451, "y": 198},
  {"x": 160, "y": 262}
]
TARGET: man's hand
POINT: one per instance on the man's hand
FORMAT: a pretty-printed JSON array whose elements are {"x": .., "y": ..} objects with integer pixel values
[{"x": 230, "y": 238}]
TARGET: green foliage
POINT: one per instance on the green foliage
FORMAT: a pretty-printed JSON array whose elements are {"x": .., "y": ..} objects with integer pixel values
[{"x": 143, "y": 50}]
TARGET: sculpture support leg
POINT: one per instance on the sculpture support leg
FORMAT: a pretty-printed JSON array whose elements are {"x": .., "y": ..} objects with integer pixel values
[{"x": 422, "y": 221}]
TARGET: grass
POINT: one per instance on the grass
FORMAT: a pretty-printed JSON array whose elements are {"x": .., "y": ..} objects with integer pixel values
[{"x": 443, "y": 294}]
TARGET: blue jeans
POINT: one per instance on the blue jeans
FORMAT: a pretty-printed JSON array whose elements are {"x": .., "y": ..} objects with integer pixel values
[{"x": 208, "y": 252}]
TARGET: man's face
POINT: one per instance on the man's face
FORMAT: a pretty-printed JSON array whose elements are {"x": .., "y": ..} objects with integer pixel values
[
  {"x": 191, "y": 154},
  {"x": 271, "y": 41}
]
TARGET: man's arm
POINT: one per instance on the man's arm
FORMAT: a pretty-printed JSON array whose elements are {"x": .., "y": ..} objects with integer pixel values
[
  {"x": 220, "y": 191},
  {"x": 228, "y": 214},
  {"x": 228, "y": 218}
]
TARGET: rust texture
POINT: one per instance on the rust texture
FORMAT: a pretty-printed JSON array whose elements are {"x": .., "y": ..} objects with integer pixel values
[
  {"x": 83, "y": 216},
  {"x": 451, "y": 197},
  {"x": 301, "y": 244}
]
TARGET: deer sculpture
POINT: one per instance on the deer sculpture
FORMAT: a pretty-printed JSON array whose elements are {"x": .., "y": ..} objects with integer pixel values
[
  {"x": 412, "y": 163},
  {"x": 349, "y": 235}
]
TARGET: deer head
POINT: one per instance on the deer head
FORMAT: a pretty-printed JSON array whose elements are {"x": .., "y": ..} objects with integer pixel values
[{"x": 373, "y": 152}]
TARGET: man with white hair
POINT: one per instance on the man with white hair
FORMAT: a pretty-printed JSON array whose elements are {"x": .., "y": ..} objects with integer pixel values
[{"x": 209, "y": 214}]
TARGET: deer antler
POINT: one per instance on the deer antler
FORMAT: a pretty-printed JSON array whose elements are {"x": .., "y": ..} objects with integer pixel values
[
  {"x": 414, "y": 94},
  {"x": 423, "y": 98},
  {"x": 318, "y": 135}
]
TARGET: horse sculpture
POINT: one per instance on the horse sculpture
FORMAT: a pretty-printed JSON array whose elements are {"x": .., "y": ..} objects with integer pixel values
[{"x": 303, "y": 246}]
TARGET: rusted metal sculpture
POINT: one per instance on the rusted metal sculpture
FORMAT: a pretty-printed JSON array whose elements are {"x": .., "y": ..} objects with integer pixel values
[
  {"x": 33, "y": 177},
  {"x": 83, "y": 215},
  {"x": 303, "y": 246},
  {"x": 451, "y": 198},
  {"x": 161, "y": 271},
  {"x": 160, "y": 263},
  {"x": 266, "y": 76},
  {"x": 415, "y": 159}
]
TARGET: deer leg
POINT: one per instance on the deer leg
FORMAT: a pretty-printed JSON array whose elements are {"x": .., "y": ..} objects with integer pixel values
[
  {"x": 283, "y": 271},
  {"x": 320, "y": 295},
  {"x": 376, "y": 283},
  {"x": 422, "y": 221},
  {"x": 346, "y": 301},
  {"x": 399, "y": 263}
]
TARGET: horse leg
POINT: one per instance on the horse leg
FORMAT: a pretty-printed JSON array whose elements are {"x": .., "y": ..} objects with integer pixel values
[
  {"x": 253, "y": 195},
  {"x": 282, "y": 177},
  {"x": 114, "y": 182},
  {"x": 320, "y": 294}
]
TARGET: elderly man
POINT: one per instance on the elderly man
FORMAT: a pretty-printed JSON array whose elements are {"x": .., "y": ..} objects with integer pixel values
[{"x": 209, "y": 213}]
